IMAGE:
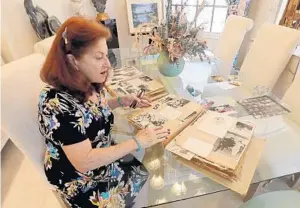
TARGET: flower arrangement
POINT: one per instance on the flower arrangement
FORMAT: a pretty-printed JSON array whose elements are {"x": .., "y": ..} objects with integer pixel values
[{"x": 176, "y": 36}]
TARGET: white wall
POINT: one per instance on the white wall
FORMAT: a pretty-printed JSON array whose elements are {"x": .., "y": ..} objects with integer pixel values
[{"x": 18, "y": 36}]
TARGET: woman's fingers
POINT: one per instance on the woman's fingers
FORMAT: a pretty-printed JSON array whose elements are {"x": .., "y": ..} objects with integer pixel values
[
  {"x": 147, "y": 99},
  {"x": 162, "y": 132},
  {"x": 146, "y": 102},
  {"x": 161, "y": 139},
  {"x": 158, "y": 128}
]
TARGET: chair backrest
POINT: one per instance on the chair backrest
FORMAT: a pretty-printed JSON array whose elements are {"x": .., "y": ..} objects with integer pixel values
[
  {"x": 231, "y": 40},
  {"x": 292, "y": 99},
  {"x": 21, "y": 86},
  {"x": 44, "y": 46},
  {"x": 269, "y": 55}
]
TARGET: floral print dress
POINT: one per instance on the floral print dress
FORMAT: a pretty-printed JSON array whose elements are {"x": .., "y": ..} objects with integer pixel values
[{"x": 63, "y": 120}]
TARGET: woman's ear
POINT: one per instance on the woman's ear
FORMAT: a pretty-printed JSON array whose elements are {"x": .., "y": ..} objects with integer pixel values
[{"x": 72, "y": 60}]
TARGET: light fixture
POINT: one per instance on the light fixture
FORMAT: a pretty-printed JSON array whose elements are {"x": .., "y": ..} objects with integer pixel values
[
  {"x": 157, "y": 182},
  {"x": 179, "y": 189}
]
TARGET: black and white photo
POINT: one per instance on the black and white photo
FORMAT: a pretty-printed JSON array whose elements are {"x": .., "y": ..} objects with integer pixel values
[{"x": 231, "y": 146}]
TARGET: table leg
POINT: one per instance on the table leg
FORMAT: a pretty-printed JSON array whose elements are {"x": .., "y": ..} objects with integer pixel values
[
  {"x": 251, "y": 192},
  {"x": 295, "y": 178}
]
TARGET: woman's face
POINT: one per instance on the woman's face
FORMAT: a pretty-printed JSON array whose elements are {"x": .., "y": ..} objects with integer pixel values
[{"x": 94, "y": 64}]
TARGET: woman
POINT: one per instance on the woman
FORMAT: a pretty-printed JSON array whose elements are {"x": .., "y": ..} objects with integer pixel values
[{"x": 82, "y": 161}]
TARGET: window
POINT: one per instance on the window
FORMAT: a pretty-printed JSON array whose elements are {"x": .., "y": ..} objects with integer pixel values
[{"x": 213, "y": 15}]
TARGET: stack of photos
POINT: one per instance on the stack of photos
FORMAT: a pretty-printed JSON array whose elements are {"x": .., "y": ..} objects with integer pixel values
[
  {"x": 220, "y": 154},
  {"x": 171, "y": 112},
  {"x": 263, "y": 107},
  {"x": 153, "y": 89},
  {"x": 124, "y": 73}
]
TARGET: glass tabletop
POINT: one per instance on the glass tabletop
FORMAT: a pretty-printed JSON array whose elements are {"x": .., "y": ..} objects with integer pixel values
[{"x": 170, "y": 180}]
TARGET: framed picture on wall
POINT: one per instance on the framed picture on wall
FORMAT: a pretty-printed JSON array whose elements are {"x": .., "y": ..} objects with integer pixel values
[{"x": 143, "y": 11}]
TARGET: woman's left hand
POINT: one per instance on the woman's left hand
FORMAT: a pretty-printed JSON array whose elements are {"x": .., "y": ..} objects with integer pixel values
[{"x": 142, "y": 102}]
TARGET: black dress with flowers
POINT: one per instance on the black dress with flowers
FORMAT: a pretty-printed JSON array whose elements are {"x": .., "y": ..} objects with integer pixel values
[{"x": 63, "y": 120}]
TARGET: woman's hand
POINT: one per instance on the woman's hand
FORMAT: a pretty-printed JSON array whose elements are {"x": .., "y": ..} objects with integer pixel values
[
  {"x": 143, "y": 102},
  {"x": 149, "y": 137}
]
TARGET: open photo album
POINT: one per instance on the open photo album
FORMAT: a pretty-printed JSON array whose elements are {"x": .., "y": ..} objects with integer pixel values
[
  {"x": 217, "y": 140},
  {"x": 171, "y": 112}
]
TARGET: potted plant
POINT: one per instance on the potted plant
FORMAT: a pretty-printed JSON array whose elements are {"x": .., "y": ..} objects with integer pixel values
[{"x": 175, "y": 38}]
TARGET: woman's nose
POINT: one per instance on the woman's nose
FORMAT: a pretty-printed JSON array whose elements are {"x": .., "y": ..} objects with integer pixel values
[{"x": 107, "y": 62}]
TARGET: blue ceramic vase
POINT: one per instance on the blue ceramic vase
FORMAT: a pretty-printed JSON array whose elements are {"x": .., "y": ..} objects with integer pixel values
[{"x": 167, "y": 68}]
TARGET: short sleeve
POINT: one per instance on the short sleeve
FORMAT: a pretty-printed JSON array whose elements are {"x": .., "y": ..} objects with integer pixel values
[
  {"x": 60, "y": 119},
  {"x": 70, "y": 128}
]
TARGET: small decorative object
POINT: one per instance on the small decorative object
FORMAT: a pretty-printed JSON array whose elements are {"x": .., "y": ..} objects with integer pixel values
[
  {"x": 43, "y": 25},
  {"x": 176, "y": 37},
  {"x": 38, "y": 19},
  {"x": 263, "y": 107},
  {"x": 238, "y": 7},
  {"x": 54, "y": 24},
  {"x": 143, "y": 11},
  {"x": 100, "y": 6},
  {"x": 78, "y": 8}
]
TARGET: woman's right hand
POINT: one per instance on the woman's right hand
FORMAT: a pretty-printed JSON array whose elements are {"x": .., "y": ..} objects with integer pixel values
[{"x": 149, "y": 137}]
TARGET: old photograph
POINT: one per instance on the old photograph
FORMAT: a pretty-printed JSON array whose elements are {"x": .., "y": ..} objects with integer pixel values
[
  {"x": 222, "y": 108},
  {"x": 132, "y": 90},
  {"x": 120, "y": 91},
  {"x": 146, "y": 79},
  {"x": 231, "y": 146},
  {"x": 176, "y": 149},
  {"x": 166, "y": 99},
  {"x": 145, "y": 87},
  {"x": 124, "y": 84},
  {"x": 243, "y": 129},
  {"x": 145, "y": 120},
  {"x": 178, "y": 103}
]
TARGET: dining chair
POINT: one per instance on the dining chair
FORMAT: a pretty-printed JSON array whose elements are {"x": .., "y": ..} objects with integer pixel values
[
  {"x": 230, "y": 41},
  {"x": 268, "y": 56},
  {"x": 21, "y": 86},
  {"x": 44, "y": 46},
  {"x": 292, "y": 99}
]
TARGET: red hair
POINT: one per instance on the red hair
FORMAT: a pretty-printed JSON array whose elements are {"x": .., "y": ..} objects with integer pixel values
[{"x": 81, "y": 33}]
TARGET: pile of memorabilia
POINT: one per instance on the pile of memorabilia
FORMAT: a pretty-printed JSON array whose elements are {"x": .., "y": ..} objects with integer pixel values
[{"x": 129, "y": 80}]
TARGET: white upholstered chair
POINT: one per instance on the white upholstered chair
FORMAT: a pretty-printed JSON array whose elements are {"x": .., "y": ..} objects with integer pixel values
[
  {"x": 44, "y": 46},
  {"x": 292, "y": 99},
  {"x": 230, "y": 41},
  {"x": 269, "y": 55},
  {"x": 21, "y": 86}
]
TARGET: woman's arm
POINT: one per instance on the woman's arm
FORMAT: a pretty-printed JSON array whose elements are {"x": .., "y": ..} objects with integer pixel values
[
  {"x": 125, "y": 101},
  {"x": 84, "y": 158},
  {"x": 113, "y": 103}
]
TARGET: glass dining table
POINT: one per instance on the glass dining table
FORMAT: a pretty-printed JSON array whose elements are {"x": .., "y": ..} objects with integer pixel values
[{"x": 169, "y": 180}]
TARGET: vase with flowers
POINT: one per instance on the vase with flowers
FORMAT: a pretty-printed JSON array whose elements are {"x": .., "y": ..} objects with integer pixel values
[{"x": 177, "y": 39}]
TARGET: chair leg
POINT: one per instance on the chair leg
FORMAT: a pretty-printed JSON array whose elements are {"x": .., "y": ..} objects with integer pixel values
[{"x": 60, "y": 200}]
